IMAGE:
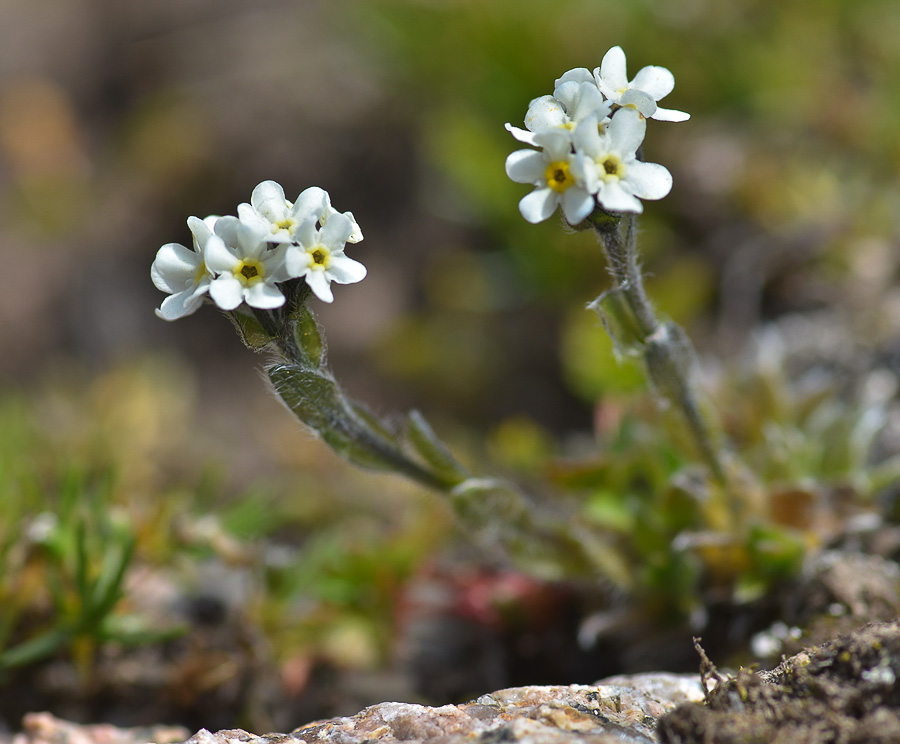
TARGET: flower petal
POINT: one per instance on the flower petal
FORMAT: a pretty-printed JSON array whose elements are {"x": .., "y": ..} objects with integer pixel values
[
  {"x": 640, "y": 100},
  {"x": 526, "y": 166},
  {"x": 579, "y": 75},
  {"x": 251, "y": 240},
  {"x": 626, "y": 131},
  {"x": 613, "y": 73},
  {"x": 539, "y": 204},
  {"x": 264, "y": 295},
  {"x": 269, "y": 200},
  {"x": 320, "y": 285},
  {"x": 181, "y": 304},
  {"x": 311, "y": 202},
  {"x": 584, "y": 169},
  {"x": 226, "y": 291},
  {"x": 273, "y": 259},
  {"x": 662, "y": 114},
  {"x": 173, "y": 267},
  {"x": 249, "y": 216},
  {"x": 581, "y": 100},
  {"x": 589, "y": 100},
  {"x": 577, "y": 204},
  {"x": 657, "y": 81},
  {"x": 228, "y": 228},
  {"x": 356, "y": 236},
  {"x": 615, "y": 199},
  {"x": 545, "y": 112},
  {"x": 648, "y": 180},
  {"x": 344, "y": 270},
  {"x": 587, "y": 137},
  {"x": 307, "y": 234},
  {"x": 336, "y": 231},
  {"x": 557, "y": 143},
  {"x": 219, "y": 257},
  {"x": 523, "y": 135},
  {"x": 201, "y": 229},
  {"x": 296, "y": 261}
]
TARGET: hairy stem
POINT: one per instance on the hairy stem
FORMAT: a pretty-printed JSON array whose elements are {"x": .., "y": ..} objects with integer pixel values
[{"x": 667, "y": 350}]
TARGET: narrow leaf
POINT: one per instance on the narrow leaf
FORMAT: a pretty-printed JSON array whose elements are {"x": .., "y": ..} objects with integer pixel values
[
  {"x": 619, "y": 322},
  {"x": 308, "y": 338},
  {"x": 431, "y": 449}
]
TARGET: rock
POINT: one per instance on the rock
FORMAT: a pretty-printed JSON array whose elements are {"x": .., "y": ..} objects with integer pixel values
[
  {"x": 43, "y": 728},
  {"x": 619, "y": 710}
]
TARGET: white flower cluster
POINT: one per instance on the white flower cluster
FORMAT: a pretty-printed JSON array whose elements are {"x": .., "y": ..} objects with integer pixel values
[
  {"x": 244, "y": 258},
  {"x": 589, "y": 132}
]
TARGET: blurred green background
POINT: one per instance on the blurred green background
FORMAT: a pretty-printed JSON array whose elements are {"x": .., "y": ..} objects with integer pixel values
[{"x": 118, "y": 120}]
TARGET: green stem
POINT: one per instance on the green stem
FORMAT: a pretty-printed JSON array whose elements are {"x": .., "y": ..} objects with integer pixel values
[
  {"x": 351, "y": 423},
  {"x": 623, "y": 265},
  {"x": 496, "y": 510},
  {"x": 618, "y": 236}
]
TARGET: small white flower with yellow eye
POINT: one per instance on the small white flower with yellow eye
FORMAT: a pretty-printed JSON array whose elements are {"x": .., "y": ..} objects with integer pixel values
[
  {"x": 182, "y": 271},
  {"x": 649, "y": 86},
  {"x": 270, "y": 210},
  {"x": 552, "y": 171},
  {"x": 318, "y": 255},
  {"x": 575, "y": 97},
  {"x": 609, "y": 167},
  {"x": 245, "y": 265}
]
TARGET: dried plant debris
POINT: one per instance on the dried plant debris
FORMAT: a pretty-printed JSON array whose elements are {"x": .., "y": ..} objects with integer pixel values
[{"x": 842, "y": 692}]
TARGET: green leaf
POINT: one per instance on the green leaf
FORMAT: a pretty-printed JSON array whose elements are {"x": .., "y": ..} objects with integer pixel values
[
  {"x": 488, "y": 505},
  {"x": 107, "y": 590},
  {"x": 610, "y": 509},
  {"x": 36, "y": 649},
  {"x": 669, "y": 357},
  {"x": 619, "y": 322},
  {"x": 250, "y": 330},
  {"x": 318, "y": 402},
  {"x": 137, "y": 630},
  {"x": 431, "y": 449},
  {"x": 308, "y": 338},
  {"x": 776, "y": 551}
]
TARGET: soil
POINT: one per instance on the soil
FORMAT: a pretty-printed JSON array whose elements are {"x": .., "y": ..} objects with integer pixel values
[{"x": 842, "y": 692}]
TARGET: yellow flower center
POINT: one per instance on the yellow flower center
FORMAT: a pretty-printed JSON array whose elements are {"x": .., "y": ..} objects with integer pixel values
[
  {"x": 320, "y": 256},
  {"x": 558, "y": 176},
  {"x": 249, "y": 272},
  {"x": 286, "y": 224},
  {"x": 613, "y": 168}
]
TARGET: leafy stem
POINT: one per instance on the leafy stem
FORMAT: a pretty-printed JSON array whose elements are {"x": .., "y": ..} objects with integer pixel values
[{"x": 666, "y": 350}]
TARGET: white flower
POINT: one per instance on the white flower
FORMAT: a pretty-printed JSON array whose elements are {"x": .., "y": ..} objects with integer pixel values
[
  {"x": 319, "y": 256},
  {"x": 650, "y": 85},
  {"x": 576, "y": 75},
  {"x": 182, "y": 272},
  {"x": 556, "y": 179},
  {"x": 246, "y": 267},
  {"x": 575, "y": 97},
  {"x": 609, "y": 167},
  {"x": 581, "y": 98},
  {"x": 270, "y": 210}
]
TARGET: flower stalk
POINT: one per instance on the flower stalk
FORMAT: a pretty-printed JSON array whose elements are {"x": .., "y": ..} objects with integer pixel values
[
  {"x": 494, "y": 510},
  {"x": 667, "y": 352}
]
